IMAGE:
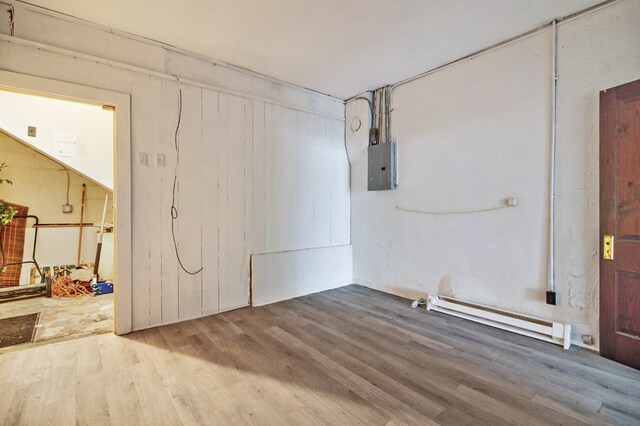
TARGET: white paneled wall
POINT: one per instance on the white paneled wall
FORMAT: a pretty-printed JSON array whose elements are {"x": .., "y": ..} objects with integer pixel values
[
  {"x": 255, "y": 176},
  {"x": 304, "y": 168}
]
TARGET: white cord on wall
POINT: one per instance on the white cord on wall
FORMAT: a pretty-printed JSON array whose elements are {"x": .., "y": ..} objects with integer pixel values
[{"x": 452, "y": 212}]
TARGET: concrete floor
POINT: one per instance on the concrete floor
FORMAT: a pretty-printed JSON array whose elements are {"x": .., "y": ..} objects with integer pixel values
[{"x": 64, "y": 318}]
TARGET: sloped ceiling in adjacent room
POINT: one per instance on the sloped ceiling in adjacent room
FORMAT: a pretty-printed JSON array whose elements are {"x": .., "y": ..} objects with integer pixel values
[{"x": 336, "y": 47}]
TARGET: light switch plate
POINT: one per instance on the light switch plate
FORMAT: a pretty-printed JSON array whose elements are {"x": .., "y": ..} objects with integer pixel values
[
  {"x": 143, "y": 159},
  {"x": 31, "y": 131},
  {"x": 159, "y": 160}
]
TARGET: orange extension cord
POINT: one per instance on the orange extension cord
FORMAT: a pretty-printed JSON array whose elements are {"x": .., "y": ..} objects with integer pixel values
[{"x": 65, "y": 287}]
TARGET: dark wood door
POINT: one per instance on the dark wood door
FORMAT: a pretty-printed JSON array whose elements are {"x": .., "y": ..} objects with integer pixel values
[{"x": 620, "y": 218}]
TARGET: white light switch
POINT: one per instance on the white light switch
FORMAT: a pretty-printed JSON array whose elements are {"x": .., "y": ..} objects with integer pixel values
[
  {"x": 159, "y": 160},
  {"x": 143, "y": 159}
]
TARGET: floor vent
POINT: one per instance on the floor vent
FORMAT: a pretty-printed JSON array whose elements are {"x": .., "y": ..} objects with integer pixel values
[{"x": 553, "y": 332}]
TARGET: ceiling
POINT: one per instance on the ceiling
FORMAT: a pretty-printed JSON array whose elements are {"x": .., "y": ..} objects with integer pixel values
[{"x": 337, "y": 47}]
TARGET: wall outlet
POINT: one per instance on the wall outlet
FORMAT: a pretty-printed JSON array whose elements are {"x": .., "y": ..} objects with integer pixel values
[
  {"x": 587, "y": 339},
  {"x": 551, "y": 298},
  {"x": 31, "y": 131},
  {"x": 67, "y": 208}
]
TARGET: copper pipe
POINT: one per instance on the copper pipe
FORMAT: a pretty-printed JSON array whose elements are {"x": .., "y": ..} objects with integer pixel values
[{"x": 84, "y": 194}]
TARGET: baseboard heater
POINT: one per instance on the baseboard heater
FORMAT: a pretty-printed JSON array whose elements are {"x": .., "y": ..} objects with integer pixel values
[{"x": 549, "y": 331}]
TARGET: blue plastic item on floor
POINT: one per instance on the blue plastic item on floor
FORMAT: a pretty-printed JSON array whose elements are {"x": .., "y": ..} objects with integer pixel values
[{"x": 102, "y": 287}]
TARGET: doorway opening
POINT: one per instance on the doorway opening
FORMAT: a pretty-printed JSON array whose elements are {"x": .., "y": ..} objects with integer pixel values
[{"x": 57, "y": 245}]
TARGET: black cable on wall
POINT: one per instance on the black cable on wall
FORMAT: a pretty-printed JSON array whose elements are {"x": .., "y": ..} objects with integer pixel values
[{"x": 174, "y": 208}]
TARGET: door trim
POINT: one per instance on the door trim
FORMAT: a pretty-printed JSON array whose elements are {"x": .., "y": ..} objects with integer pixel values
[{"x": 122, "y": 174}]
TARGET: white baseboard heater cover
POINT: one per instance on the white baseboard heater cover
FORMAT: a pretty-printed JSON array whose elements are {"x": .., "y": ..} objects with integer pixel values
[{"x": 549, "y": 331}]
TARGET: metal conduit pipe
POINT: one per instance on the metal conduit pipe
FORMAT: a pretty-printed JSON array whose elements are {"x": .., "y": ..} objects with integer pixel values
[{"x": 552, "y": 177}]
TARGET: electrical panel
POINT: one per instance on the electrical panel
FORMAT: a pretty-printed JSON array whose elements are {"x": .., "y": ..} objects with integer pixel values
[{"x": 382, "y": 167}]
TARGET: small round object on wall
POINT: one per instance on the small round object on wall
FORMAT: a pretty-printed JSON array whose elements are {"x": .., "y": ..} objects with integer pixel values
[{"x": 355, "y": 124}]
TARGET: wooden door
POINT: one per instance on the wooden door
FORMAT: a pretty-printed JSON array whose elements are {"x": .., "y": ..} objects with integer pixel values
[{"x": 620, "y": 218}]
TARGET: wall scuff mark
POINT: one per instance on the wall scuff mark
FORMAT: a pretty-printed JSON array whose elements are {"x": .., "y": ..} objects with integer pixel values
[{"x": 12, "y": 20}]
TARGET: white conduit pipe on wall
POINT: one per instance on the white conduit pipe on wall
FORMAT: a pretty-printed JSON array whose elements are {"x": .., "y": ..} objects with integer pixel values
[{"x": 552, "y": 178}]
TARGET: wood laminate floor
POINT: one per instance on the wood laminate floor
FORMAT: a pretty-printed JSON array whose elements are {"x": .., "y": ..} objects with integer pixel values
[{"x": 341, "y": 357}]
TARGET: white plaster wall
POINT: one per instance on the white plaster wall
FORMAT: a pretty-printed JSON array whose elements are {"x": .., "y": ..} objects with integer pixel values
[
  {"x": 91, "y": 125},
  {"x": 477, "y": 132},
  {"x": 262, "y": 164}
]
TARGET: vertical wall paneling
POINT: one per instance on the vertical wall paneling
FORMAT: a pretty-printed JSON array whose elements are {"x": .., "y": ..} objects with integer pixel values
[
  {"x": 140, "y": 136},
  {"x": 314, "y": 178},
  {"x": 169, "y": 266},
  {"x": 210, "y": 213},
  {"x": 237, "y": 110},
  {"x": 322, "y": 193},
  {"x": 340, "y": 211},
  {"x": 269, "y": 170},
  {"x": 289, "y": 172},
  {"x": 259, "y": 176},
  {"x": 155, "y": 209},
  {"x": 275, "y": 193},
  {"x": 334, "y": 181},
  {"x": 223, "y": 201},
  {"x": 248, "y": 199},
  {"x": 304, "y": 223},
  {"x": 189, "y": 199}
]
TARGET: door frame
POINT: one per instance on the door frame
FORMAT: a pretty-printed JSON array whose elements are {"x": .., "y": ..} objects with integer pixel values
[{"x": 122, "y": 208}]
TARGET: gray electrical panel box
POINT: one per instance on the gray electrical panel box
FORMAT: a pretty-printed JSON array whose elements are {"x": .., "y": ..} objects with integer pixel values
[{"x": 382, "y": 166}]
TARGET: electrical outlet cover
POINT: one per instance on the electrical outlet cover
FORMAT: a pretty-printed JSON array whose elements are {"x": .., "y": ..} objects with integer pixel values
[
  {"x": 159, "y": 160},
  {"x": 551, "y": 298},
  {"x": 143, "y": 159}
]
